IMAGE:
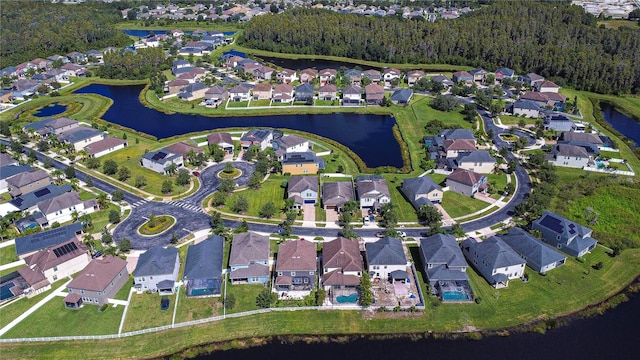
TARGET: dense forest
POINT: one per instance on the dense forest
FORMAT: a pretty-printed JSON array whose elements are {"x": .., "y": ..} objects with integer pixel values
[
  {"x": 556, "y": 40},
  {"x": 34, "y": 29}
]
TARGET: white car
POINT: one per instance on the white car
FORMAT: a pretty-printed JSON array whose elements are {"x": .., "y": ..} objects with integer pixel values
[
  {"x": 402, "y": 234},
  {"x": 366, "y": 220}
]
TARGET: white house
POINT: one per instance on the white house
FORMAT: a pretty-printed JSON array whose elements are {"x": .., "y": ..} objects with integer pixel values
[
  {"x": 59, "y": 261},
  {"x": 160, "y": 160},
  {"x": 385, "y": 257},
  {"x": 372, "y": 191},
  {"x": 62, "y": 207},
  {"x": 290, "y": 144},
  {"x": 157, "y": 270},
  {"x": 105, "y": 146},
  {"x": 81, "y": 136}
]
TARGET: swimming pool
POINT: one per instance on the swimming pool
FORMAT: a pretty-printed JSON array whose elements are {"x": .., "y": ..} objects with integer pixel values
[
  {"x": 459, "y": 295},
  {"x": 5, "y": 291},
  {"x": 345, "y": 299}
]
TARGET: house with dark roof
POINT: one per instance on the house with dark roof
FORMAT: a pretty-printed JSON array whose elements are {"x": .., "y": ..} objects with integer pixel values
[
  {"x": 328, "y": 92},
  {"x": 462, "y": 77},
  {"x": 446, "y": 268},
  {"x": 354, "y": 75},
  {"x": 372, "y": 191},
  {"x": 570, "y": 156},
  {"x": 384, "y": 257},
  {"x": 478, "y": 74},
  {"x": 157, "y": 270},
  {"x": 81, "y": 136},
  {"x": 538, "y": 255},
  {"x": 504, "y": 73},
  {"x": 466, "y": 182},
  {"x": 566, "y": 235},
  {"x": 455, "y": 134},
  {"x": 532, "y": 78},
  {"x": 526, "y": 108},
  {"x": 575, "y": 137},
  {"x": 342, "y": 267},
  {"x": 6, "y": 159},
  {"x": 105, "y": 146},
  {"x": 494, "y": 260},
  {"x": 445, "y": 81},
  {"x": 183, "y": 148},
  {"x": 352, "y": 95},
  {"x": 51, "y": 126},
  {"x": 9, "y": 171},
  {"x": 29, "y": 244},
  {"x": 26, "y": 182},
  {"x": 304, "y": 92},
  {"x": 61, "y": 208},
  {"x": 547, "y": 100},
  {"x": 203, "y": 267},
  {"x": 249, "y": 259},
  {"x": 160, "y": 160},
  {"x": 303, "y": 190},
  {"x": 335, "y": 194},
  {"x": 421, "y": 191},
  {"x": 59, "y": 261},
  {"x": 401, "y": 96},
  {"x": 296, "y": 267},
  {"x": 301, "y": 163},
  {"x": 289, "y": 144},
  {"x": 479, "y": 161},
  {"x": 374, "y": 94},
  {"x": 557, "y": 122},
  {"x": 223, "y": 140},
  {"x": 194, "y": 91},
  {"x": 263, "y": 73},
  {"x": 97, "y": 282},
  {"x": 257, "y": 137},
  {"x": 372, "y": 74},
  {"x": 29, "y": 201},
  {"x": 215, "y": 96}
]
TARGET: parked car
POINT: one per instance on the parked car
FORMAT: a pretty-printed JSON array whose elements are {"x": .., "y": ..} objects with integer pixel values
[
  {"x": 96, "y": 254},
  {"x": 402, "y": 234},
  {"x": 196, "y": 173},
  {"x": 366, "y": 220},
  {"x": 164, "y": 303}
]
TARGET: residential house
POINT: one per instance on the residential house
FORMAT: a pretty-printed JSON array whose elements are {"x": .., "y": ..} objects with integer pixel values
[
  {"x": 463, "y": 77},
  {"x": 61, "y": 208},
  {"x": 249, "y": 259},
  {"x": 192, "y": 76},
  {"x": 557, "y": 122},
  {"x": 26, "y": 182},
  {"x": 174, "y": 86},
  {"x": 74, "y": 70},
  {"x": 342, "y": 266},
  {"x": 289, "y": 144},
  {"x": 421, "y": 191},
  {"x": 335, "y": 194},
  {"x": 532, "y": 78},
  {"x": 479, "y": 161},
  {"x": 263, "y": 73},
  {"x": 374, "y": 94},
  {"x": 287, "y": 76},
  {"x": 105, "y": 146},
  {"x": 327, "y": 76},
  {"x": 445, "y": 267},
  {"x": 183, "y": 149},
  {"x": 160, "y": 160},
  {"x": 466, "y": 182},
  {"x": 445, "y": 81},
  {"x": 215, "y": 96},
  {"x": 328, "y": 92},
  {"x": 157, "y": 270},
  {"x": 413, "y": 76},
  {"x": 77, "y": 57},
  {"x": 233, "y": 61},
  {"x": 32, "y": 243},
  {"x": 504, "y": 73},
  {"x": 479, "y": 74},
  {"x": 577, "y": 137},
  {"x": 384, "y": 257},
  {"x": 81, "y": 136},
  {"x": 29, "y": 201},
  {"x": 283, "y": 93},
  {"x": 303, "y": 190},
  {"x": 30, "y": 282},
  {"x": 354, "y": 76},
  {"x": 457, "y": 147},
  {"x": 193, "y": 91},
  {"x": 6, "y": 159},
  {"x": 452, "y": 134},
  {"x": 546, "y": 86},
  {"x": 570, "y": 156},
  {"x": 10, "y": 170},
  {"x": 566, "y": 235},
  {"x": 97, "y": 282},
  {"x": 239, "y": 93},
  {"x": 352, "y": 95},
  {"x": 401, "y": 96},
  {"x": 307, "y": 75},
  {"x": 547, "y": 100},
  {"x": 301, "y": 163},
  {"x": 260, "y": 137},
  {"x": 389, "y": 75},
  {"x": 538, "y": 255},
  {"x": 262, "y": 91},
  {"x": 296, "y": 267},
  {"x": 203, "y": 267},
  {"x": 372, "y": 191},
  {"x": 526, "y": 108},
  {"x": 24, "y": 87},
  {"x": 304, "y": 92},
  {"x": 59, "y": 261},
  {"x": 223, "y": 140},
  {"x": 373, "y": 75},
  {"x": 494, "y": 260}
]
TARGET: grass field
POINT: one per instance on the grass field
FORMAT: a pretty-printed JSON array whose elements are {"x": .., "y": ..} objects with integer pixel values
[
  {"x": 100, "y": 219},
  {"x": 515, "y": 120},
  {"x": 10, "y": 312},
  {"x": 499, "y": 182},
  {"x": 458, "y": 205},
  {"x": 144, "y": 312},
  {"x": 269, "y": 191},
  {"x": 245, "y": 295},
  {"x": 616, "y": 24},
  {"x": 190, "y": 308},
  {"x": 8, "y": 254}
]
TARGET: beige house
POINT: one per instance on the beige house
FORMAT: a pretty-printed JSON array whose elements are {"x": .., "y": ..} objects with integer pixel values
[
  {"x": 27, "y": 182},
  {"x": 262, "y": 91},
  {"x": 59, "y": 261},
  {"x": 99, "y": 281}
]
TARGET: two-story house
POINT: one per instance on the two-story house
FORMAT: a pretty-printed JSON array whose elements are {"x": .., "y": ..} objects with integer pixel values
[
  {"x": 296, "y": 268},
  {"x": 466, "y": 182},
  {"x": 566, "y": 235},
  {"x": 352, "y": 95},
  {"x": 335, "y": 194},
  {"x": 495, "y": 260},
  {"x": 421, "y": 191},
  {"x": 262, "y": 91},
  {"x": 327, "y": 76},
  {"x": 479, "y": 161},
  {"x": 59, "y": 261},
  {"x": 26, "y": 182},
  {"x": 160, "y": 160},
  {"x": 446, "y": 268},
  {"x": 260, "y": 137},
  {"x": 372, "y": 191},
  {"x": 538, "y": 255},
  {"x": 51, "y": 126},
  {"x": 303, "y": 190},
  {"x": 301, "y": 163},
  {"x": 157, "y": 270},
  {"x": 289, "y": 144},
  {"x": 63, "y": 207},
  {"x": 384, "y": 257},
  {"x": 249, "y": 259},
  {"x": 97, "y": 282},
  {"x": 342, "y": 267}
]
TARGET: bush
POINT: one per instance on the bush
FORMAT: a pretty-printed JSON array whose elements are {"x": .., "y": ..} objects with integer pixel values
[
  {"x": 114, "y": 216},
  {"x": 110, "y": 167},
  {"x": 117, "y": 195},
  {"x": 266, "y": 298}
]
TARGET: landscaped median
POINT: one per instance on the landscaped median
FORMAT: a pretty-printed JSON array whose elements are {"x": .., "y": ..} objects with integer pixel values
[{"x": 156, "y": 225}]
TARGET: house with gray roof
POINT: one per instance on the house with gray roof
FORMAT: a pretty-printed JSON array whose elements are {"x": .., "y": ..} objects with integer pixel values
[
  {"x": 466, "y": 182},
  {"x": 29, "y": 244},
  {"x": 421, "y": 191},
  {"x": 296, "y": 268},
  {"x": 97, "y": 282},
  {"x": 160, "y": 160},
  {"x": 538, "y": 255},
  {"x": 51, "y": 126},
  {"x": 6, "y": 159},
  {"x": 570, "y": 156},
  {"x": 193, "y": 91},
  {"x": 494, "y": 260},
  {"x": 61, "y": 208},
  {"x": 249, "y": 259},
  {"x": 304, "y": 92},
  {"x": 29, "y": 201},
  {"x": 257, "y": 137},
  {"x": 445, "y": 267},
  {"x": 504, "y": 73},
  {"x": 526, "y": 108},
  {"x": 566, "y": 235},
  {"x": 454, "y": 134},
  {"x": 215, "y": 95},
  {"x": 81, "y": 136},
  {"x": 203, "y": 267},
  {"x": 26, "y": 182},
  {"x": 289, "y": 144},
  {"x": 385, "y": 256},
  {"x": 557, "y": 122},
  {"x": 569, "y": 136},
  {"x": 479, "y": 161},
  {"x": 352, "y": 95},
  {"x": 303, "y": 190},
  {"x": 335, "y": 194},
  {"x": 157, "y": 270},
  {"x": 10, "y": 170},
  {"x": 401, "y": 96},
  {"x": 372, "y": 191},
  {"x": 223, "y": 140}
]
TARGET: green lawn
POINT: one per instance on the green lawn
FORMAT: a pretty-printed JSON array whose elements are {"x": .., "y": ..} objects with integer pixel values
[
  {"x": 123, "y": 294},
  {"x": 53, "y": 319},
  {"x": 499, "y": 183},
  {"x": 269, "y": 191},
  {"x": 262, "y": 102},
  {"x": 237, "y": 104},
  {"x": 144, "y": 312},
  {"x": 10, "y": 312},
  {"x": 406, "y": 212},
  {"x": 458, "y": 205},
  {"x": 515, "y": 120},
  {"x": 190, "y": 308},
  {"x": 4, "y": 197},
  {"x": 100, "y": 219},
  {"x": 326, "y": 102},
  {"x": 8, "y": 254},
  {"x": 245, "y": 295}
]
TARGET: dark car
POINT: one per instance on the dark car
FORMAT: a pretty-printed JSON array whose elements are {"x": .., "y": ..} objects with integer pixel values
[
  {"x": 164, "y": 303},
  {"x": 97, "y": 254},
  {"x": 196, "y": 173}
]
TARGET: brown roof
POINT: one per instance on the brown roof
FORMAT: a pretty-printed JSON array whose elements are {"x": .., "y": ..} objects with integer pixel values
[
  {"x": 262, "y": 87},
  {"x": 296, "y": 255},
  {"x": 328, "y": 72},
  {"x": 459, "y": 144},
  {"x": 571, "y": 150},
  {"x": 99, "y": 273},
  {"x": 47, "y": 258},
  {"x": 464, "y": 176},
  {"x": 217, "y": 138},
  {"x": 72, "y": 298},
  {"x": 183, "y": 148},
  {"x": 328, "y": 88},
  {"x": 283, "y": 88},
  {"x": 374, "y": 89},
  {"x": 535, "y": 96},
  {"x": 104, "y": 144},
  {"x": 27, "y": 178},
  {"x": 342, "y": 253},
  {"x": 338, "y": 278},
  {"x": 310, "y": 72},
  {"x": 33, "y": 277},
  {"x": 581, "y": 137},
  {"x": 547, "y": 83}
]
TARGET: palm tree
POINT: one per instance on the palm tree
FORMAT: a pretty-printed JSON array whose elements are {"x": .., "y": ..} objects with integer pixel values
[
  {"x": 102, "y": 201},
  {"x": 171, "y": 169},
  {"x": 57, "y": 174},
  {"x": 83, "y": 154},
  {"x": 74, "y": 183}
]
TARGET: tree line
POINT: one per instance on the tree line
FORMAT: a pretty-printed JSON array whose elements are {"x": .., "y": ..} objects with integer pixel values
[{"x": 556, "y": 40}]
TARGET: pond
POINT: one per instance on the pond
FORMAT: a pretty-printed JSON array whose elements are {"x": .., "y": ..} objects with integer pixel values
[
  {"x": 51, "y": 110},
  {"x": 145, "y": 33},
  {"x": 624, "y": 124},
  {"x": 369, "y": 136}
]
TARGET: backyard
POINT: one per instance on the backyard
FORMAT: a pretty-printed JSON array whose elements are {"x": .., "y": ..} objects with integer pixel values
[
  {"x": 144, "y": 312},
  {"x": 456, "y": 204}
]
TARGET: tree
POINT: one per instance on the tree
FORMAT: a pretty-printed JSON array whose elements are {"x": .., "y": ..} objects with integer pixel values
[
  {"x": 117, "y": 195},
  {"x": 110, "y": 167},
  {"x": 89, "y": 182},
  {"x": 114, "y": 216},
  {"x": 445, "y": 103},
  {"x": 228, "y": 168},
  {"x": 511, "y": 167},
  {"x": 457, "y": 231},
  {"x": 216, "y": 220},
  {"x": 230, "y": 301},
  {"x": 106, "y": 238},
  {"x": 16, "y": 147},
  {"x": 366, "y": 296},
  {"x": 174, "y": 237},
  {"x": 430, "y": 216},
  {"x": 227, "y": 186},
  {"x": 123, "y": 173},
  {"x": 167, "y": 187},
  {"x": 140, "y": 181},
  {"x": 124, "y": 245},
  {"x": 70, "y": 172},
  {"x": 469, "y": 112},
  {"x": 57, "y": 174},
  {"x": 32, "y": 156},
  {"x": 5, "y": 129},
  {"x": 389, "y": 216},
  {"x": 255, "y": 181},
  {"x": 171, "y": 169},
  {"x": 183, "y": 178},
  {"x": 92, "y": 163},
  {"x": 265, "y": 298},
  {"x": 240, "y": 205},
  {"x": 103, "y": 203},
  {"x": 43, "y": 146},
  {"x": 243, "y": 227},
  {"x": 216, "y": 152},
  {"x": 268, "y": 210}
]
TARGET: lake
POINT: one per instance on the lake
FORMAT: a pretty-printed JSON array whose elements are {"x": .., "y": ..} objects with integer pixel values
[
  {"x": 145, "y": 33},
  {"x": 318, "y": 64},
  {"x": 51, "y": 110},
  {"x": 624, "y": 124},
  {"x": 369, "y": 136},
  {"x": 613, "y": 335}
]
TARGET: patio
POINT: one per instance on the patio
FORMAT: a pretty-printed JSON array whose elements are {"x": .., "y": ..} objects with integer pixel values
[{"x": 398, "y": 292}]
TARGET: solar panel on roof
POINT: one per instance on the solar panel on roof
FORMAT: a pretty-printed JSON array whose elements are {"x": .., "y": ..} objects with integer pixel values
[
  {"x": 42, "y": 192},
  {"x": 159, "y": 155},
  {"x": 552, "y": 223},
  {"x": 65, "y": 249}
]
